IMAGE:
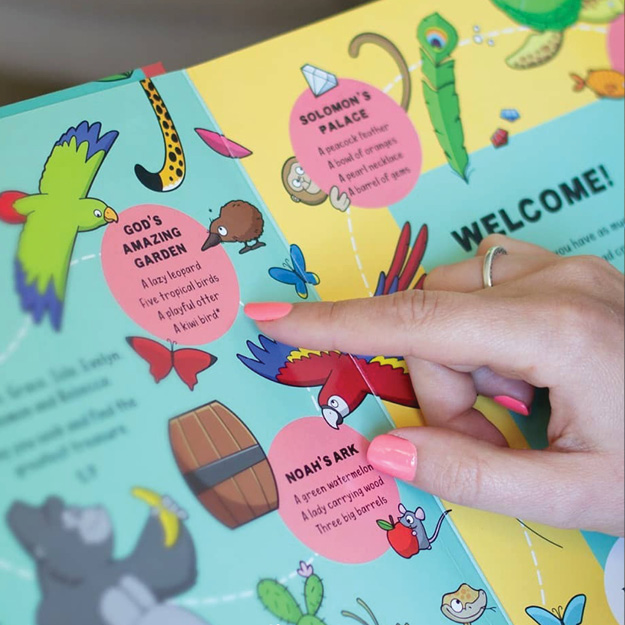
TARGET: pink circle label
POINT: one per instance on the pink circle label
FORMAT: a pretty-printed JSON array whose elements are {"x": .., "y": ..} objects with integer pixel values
[
  {"x": 357, "y": 140},
  {"x": 616, "y": 44},
  {"x": 331, "y": 498},
  {"x": 154, "y": 265}
]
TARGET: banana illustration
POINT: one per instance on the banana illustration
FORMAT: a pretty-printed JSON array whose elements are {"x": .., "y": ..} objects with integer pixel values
[{"x": 169, "y": 520}]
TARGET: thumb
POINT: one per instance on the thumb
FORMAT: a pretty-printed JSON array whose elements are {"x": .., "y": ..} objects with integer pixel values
[{"x": 541, "y": 486}]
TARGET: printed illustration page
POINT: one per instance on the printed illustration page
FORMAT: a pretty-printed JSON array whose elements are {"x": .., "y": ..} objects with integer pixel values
[
  {"x": 413, "y": 130},
  {"x": 161, "y": 462}
]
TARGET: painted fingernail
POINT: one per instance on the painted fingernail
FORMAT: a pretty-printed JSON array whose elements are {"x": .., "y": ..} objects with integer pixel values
[
  {"x": 516, "y": 405},
  {"x": 394, "y": 456},
  {"x": 267, "y": 311}
]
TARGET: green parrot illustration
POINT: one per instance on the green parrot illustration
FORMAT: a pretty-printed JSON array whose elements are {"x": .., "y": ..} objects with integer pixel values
[{"x": 54, "y": 217}]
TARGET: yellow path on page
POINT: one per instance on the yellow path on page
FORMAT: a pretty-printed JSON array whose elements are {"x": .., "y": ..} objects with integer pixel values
[{"x": 251, "y": 94}]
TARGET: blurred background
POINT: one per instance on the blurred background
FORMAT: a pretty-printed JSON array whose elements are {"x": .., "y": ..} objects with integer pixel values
[{"x": 47, "y": 45}]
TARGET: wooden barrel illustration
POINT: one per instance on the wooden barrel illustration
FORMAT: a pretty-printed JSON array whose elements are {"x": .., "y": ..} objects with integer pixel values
[{"x": 223, "y": 464}]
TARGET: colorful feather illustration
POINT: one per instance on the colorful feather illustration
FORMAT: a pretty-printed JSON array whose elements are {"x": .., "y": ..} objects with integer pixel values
[{"x": 438, "y": 39}]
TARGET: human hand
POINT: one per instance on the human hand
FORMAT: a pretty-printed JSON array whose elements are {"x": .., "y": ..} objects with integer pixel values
[{"x": 549, "y": 322}]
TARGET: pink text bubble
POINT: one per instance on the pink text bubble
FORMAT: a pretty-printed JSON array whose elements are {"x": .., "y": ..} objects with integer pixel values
[
  {"x": 616, "y": 44},
  {"x": 359, "y": 140},
  {"x": 330, "y": 496},
  {"x": 155, "y": 268}
]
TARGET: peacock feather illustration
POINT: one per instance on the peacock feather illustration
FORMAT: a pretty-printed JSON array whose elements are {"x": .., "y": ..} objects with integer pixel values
[{"x": 438, "y": 39}]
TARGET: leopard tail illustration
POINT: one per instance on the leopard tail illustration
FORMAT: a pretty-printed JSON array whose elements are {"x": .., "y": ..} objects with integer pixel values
[{"x": 172, "y": 174}]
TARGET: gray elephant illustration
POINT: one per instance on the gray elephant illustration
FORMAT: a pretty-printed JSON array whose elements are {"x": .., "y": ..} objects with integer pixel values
[{"x": 81, "y": 582}]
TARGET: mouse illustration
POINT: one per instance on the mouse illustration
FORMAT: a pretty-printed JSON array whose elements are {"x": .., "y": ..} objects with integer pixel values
[{"x": 408, "y": 535}]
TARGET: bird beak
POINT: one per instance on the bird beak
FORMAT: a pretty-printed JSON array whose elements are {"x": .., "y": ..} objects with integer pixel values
[
  {"x": 332, "y": 417},
  {"x": 213, "y": 240},
  {"x": 110, "y": 216}
]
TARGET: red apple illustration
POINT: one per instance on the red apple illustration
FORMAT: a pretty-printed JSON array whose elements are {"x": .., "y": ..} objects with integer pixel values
[{"x": 401, "y": 538}]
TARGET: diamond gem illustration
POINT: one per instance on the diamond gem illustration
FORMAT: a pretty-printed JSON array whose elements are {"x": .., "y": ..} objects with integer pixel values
[
  {"x": 319, "y": 80},
  {"x": 510, "y": 115}
]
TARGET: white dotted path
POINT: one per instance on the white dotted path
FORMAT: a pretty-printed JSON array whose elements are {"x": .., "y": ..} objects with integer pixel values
[
  {"x": 539, "y": 575},
  {"x": 28, "y": 576},
  {"x": 16, "y": 341},
  {"x": 246, "y": 594},
  {"x": 27, "y": 325},
  {"x": 15, "y": 571}
]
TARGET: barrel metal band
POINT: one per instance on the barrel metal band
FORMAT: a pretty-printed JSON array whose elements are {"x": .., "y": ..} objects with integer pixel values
[{"x": 217, "y": 472}]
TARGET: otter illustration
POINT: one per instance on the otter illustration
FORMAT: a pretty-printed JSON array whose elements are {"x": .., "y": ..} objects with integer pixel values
[{"x": 81, "y": 582}]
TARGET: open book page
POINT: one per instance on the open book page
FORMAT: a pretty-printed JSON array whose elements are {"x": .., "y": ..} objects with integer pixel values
[
  {"x": 161, "y": 462},
  {"x": 465, "y": 119}
]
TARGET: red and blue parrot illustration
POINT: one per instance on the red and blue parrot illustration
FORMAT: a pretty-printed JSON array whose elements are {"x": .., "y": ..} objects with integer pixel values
[
  {"x": 346, "y": 380},
  {"x": 53, "y": 218}
]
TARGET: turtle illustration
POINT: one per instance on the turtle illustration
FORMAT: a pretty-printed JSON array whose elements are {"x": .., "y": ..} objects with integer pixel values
[{"x": 550, "y": 19}]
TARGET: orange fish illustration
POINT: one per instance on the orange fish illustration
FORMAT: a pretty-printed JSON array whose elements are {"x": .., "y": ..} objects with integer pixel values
[{"x": 606, "y": 83}]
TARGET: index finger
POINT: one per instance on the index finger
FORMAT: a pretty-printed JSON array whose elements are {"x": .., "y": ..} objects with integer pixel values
[{"x": 454, "y": 329}]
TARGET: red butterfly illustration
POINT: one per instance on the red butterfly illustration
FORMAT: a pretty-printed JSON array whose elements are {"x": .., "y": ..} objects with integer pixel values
[{"x": 188, "y": 363}]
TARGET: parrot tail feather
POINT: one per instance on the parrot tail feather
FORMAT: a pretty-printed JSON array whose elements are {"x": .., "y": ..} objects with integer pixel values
[
  {"x": 37, "y": 303},
  {"x": 268, "y": 357},
  {"x": 8, "y": 214}
]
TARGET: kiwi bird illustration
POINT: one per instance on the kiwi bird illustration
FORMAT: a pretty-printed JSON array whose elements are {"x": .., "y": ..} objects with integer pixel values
[{"x": 238, "y": 221}]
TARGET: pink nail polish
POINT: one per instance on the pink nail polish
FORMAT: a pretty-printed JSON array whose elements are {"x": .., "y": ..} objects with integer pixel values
[
  {"x": 513, "y": 404},
  {"x": 267, "y": 311},
  {"x": 394, "y": 456}
]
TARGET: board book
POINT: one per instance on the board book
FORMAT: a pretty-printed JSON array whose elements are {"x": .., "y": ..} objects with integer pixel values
[{"x": 160, "y": 461}]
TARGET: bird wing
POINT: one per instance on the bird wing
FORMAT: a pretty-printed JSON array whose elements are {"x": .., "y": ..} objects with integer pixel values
[
  {"x": 306, "y": 368},
  {"x": 42, "y": 264},
  {"x": 388, "y": 378},
  {"x": 75, "y": 161},
  {"x": 288, "y": 365},
  {"x": 405, "y": 264}
]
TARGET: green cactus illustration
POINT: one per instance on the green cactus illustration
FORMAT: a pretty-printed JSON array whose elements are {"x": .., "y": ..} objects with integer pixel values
[{"x": 277, "y": 598}]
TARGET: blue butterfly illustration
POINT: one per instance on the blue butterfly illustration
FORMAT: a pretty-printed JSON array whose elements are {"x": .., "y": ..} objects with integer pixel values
[
  {"x": 572, "y": 615},
  {"x": 294, "y": 273}
]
